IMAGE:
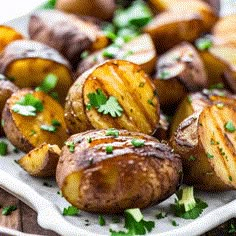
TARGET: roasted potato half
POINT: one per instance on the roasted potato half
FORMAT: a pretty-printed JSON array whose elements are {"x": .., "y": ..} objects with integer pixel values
[
  {"x": 28, "y": 62},
  {"x": 7, "y": 88},
  {"x": 8, "y": 35},
  {"x": 206, "y": 143},
  {"x": 67, "y": 33},
  {"x": 32, "y": 118},
  {"x": 102, "y": 9},
  {"x": 41, "y": 161},
  {"x": 168, "y": 29},
  {"x": 162, "y": 131},
  {"x": 179, "y": 71},
  {"x": 116, "y": 94},
  {"x": 196, "y": 102},
  {"x": 111, "y": 170}
]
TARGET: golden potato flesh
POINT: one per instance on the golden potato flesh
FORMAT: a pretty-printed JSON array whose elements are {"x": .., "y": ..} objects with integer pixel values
[
  {"x": 8, "y": 35},
  {"x": 178, "y": 71},
  {"x": 105, "y": 172},
  {"x": 168, "y": 29},
  {"x": 67, "y": 33},
  {"x": 206, "y": 144},
  {"x": 28, "y": 62},
  {"x": 41, "y": 161},
  {"x": 126, "y": 83},
  {"x": 27, "y": 132}
]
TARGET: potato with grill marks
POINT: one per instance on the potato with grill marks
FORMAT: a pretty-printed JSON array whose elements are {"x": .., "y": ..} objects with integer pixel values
[
  {"x": 116, "y": 94},
  {"x": 111, "y": 170},
  {"x": 206, "y": 143}
]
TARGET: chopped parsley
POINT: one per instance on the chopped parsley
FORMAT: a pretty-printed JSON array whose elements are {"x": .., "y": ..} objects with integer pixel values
[
  {"x": 101, "y": 220},
  {"x": 229, "y": 126},
  {"x": 111, "y": 51},
  {"x": 186, "y": 206},
  {"x": 71, "y": 211},
  {"x": 71, "y": 146},
  {"x": 109, "y": 149},
  {"x": 232, "y": 229},
  {"x": 135, "y": 224},
  {"x": 204, "y": 44},
  {"x": 46, "y": 184},
  {"x": 161, "y": 215},
  {"x": 137, "y": 142},
  {"x": 164, "y": 74},
  {"x": 3, "y": 148},
  {"x": 174, "y": 223},
  {"x": 89, "y": 140},
  {"x": 141, "y": 84},
  {"x": 28, "y": 105},
  {"x": 189, "y": 99},
  {"x": 192, "y": 158},
  {"x": 2, "y": 122},
  {"x": 217, "y": 86},
  {"x": 50, "y": 4},
  {"x": 209, "y": 155},
  {"x": 112, "y": 132},
  {"x": 84, "y": 54},
  {"x": 56, "y": 123},
  {"x": 48, "y": 84},
  {"x": 115, "y": 219},
  {"x": 49, "y": 128},
  {"x": 8, "y": 210},
  {"x": 105, "y": 106},
  {"x": 230, "y": 178}
]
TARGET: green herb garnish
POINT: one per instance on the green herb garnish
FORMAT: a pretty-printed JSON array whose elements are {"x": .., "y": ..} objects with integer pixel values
[
  {"x": 112, "y": 132},
  {"x": 209, "y": 155},
  {"x": 161, "y": 215},
  {"x": 3, "y": 148},
  {"x": 229, "y": 126},
  {"x": 49, "y": 128},
  {"x": 101, "y": 220},
  {"x": 109, "y": 149},
  {"x": 71, "y": 211},
  {"x": 71, "y": 146},
  {"x": 137, "y": 142},
  {"x": 204, "y": 44},
  {"x": 8, "y": 210},
  {"x": 48, "y": 84}
]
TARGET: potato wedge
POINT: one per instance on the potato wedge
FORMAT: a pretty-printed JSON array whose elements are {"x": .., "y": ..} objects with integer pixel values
[
  {"x": 206, "y": 144},
  {"x": 102, "y": 9},
  {"x": 196, "y": 102},
  {"x": 67, "y": 33},
  {"x": 28, "y": 62},
  {"x": 126, "y": 86},
  {"x": 168, "y": 29},
  {"x": 179, "y": 71},
  {"x": 8, "y": 35},
  {"x": 95, "y": 179},
  {"x": 7, "y": 88},
  {"x": 41, "y": 161},
  {"x": 27, "y": 131},
  {"x": 141, "y": 50}
]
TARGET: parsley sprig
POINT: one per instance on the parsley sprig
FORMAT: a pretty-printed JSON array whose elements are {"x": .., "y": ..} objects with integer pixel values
[{"x": 71, "y": 211}]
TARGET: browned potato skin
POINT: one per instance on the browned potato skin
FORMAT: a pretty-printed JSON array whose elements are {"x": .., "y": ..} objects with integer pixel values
[
  {"x": 162, "y": 131},
  {"x": 168, "y": 29},
  {"x": 8, "y": 35},
  {"x": 67, "y": 33},
  {"x": 199, "y": 135},
  {"x": 18, "y": 128},
  {"x": 102, "y": 9},
  {"x": 129, "y": 177},
  {"x": 196, "y": 102},
  {"x": 184, "y": 71},
  {"x": 137, "y": 116},
  {"x": 41, "y": 161},
  {"x": 28, "y": 62},
  {"x": 7, "y": 88}
]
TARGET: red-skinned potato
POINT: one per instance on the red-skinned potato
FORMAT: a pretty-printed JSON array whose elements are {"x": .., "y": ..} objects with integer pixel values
[
  {"x": 106, "y": 173},
  {"x": 102, "y": 9},
  {"x": 67, "y": 33},
  {"x": 127, "y": 85}
]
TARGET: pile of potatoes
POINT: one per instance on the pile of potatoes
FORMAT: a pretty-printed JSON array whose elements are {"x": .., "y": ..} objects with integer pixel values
[{"x": 101, "y": 137}]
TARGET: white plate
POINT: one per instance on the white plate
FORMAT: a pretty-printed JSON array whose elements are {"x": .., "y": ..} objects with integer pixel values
[{"x": 49, "y": 204}]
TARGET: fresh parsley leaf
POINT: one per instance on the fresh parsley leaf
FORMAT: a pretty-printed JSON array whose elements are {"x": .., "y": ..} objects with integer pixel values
[
  {"x": 111, "y": 107},
  {"x": 112, "y": 132},
  {"x": 192, "y": 158},
  {"x": 49, "y": 5},
  {"x": 161, "y": 215},
  {"x": 71, "y": 211},
  {"x": 8, "y": 210},
  {"x": 101, "y": 220},
  {"x": 71, "y": 146},
  {"x": 109, "y": 149},
  {"x": 3, "y": 148},
  {"x": 48, "y": 84},
  {"x": 28, "y": 105},
  {"x": 174, "y": 223},
  {"x": 56, "y": 123},
  {"x": 49, "y": 128},
  {"x": 164, "y": 74},
  {"x": 135, "y": 224},
  {"x": 217, "y": 86},
  {"x": 186, "y": 206},
  {"x": 229, "y": 126},
  {"x": 137, "y": 142},
  {"x": 84, "y": 54},
  {"x": 232, "y": 229},
  {"x": 204, "y": 44},
  {"x": 111, "y": 51},
  {"x": 209, "y": 155},
  {"x": 97, "y": 99}
]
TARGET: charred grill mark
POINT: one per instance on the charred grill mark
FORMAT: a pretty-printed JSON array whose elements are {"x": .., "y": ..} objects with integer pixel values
[{"x": 229, "y": 144}]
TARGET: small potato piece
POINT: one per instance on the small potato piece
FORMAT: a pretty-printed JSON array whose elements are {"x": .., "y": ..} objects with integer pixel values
[
  {"x": 133, "y": 89},
  {"x": 29, "y": 62},
  {"x": 25, "y": 132},
  {"x": 95, "y": 180},
  {"x": 207, "y": 148},
  {"x": 67, "y": 33},
  {"x": 162, "y": 131},
  {"x": 168, "y": 29},
  {"x": 8, "y": 35},
  {"x": 7, "y": 88},
  {"x": 196, "y": 102},
  {"x": 179, "y": 71},
  {"x": 102, "y": 9},
  {"x": 41, "y": 161}
]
